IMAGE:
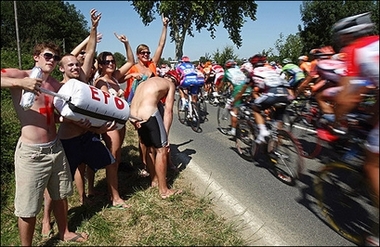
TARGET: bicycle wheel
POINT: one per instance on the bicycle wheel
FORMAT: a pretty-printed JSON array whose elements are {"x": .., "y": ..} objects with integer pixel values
[
  {"x": 181, "y": 113},
  {"x": 194, "y": 119},
  {"x": 286, "y": 156},
  {"x": 224, "y": 118},
  {"x": 245, "y": 138},
  {"x": 345, "y": 201},
  {"x": 304, "y": 127},
  {"x": 202, "y": 106}
]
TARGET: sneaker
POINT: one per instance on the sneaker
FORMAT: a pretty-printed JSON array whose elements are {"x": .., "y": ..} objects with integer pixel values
[
  {"x": 231, "y": 132},
  {"x": 233, "y": 114},
  {"x": 215, "y": 94},
  {"x": 371, "y": 241},
  {"x": 261, "y": 137}
]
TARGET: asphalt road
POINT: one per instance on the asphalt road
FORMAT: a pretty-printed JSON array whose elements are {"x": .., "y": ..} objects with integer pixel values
[{"x": 268, "y": 211}]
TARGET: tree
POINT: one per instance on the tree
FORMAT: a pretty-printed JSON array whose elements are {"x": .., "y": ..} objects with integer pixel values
[
  {"x": 319, "y": 16},
  {"x": 187, "y": 16},
  {"x": 227, "y": 54},
  {"x": 291, "y": 47},
  {"x": 40, "y": 21}
]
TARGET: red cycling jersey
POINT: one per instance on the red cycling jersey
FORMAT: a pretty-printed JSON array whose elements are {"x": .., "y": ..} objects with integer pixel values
[{"x": 362, "y": 58}]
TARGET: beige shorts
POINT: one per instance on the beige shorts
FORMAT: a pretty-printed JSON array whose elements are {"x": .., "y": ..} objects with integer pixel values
[{"x": 38, "y": 167}]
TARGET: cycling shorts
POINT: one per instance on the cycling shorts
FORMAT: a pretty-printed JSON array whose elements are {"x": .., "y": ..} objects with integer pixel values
[{"x": 193, "y": 90}]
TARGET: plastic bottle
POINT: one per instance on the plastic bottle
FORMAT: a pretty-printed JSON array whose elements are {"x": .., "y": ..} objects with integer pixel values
[{"x": 27, "y": 98}]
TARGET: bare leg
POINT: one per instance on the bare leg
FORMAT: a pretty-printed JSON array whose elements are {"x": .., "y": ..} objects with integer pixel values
[
  {"x": 161, "y": 169},
  {"x": 113, "y": 140},
  {"x": 90, "y": 174},
  {"x": 79, "y": 182},
  {"x": 46, "y": 227},
  {"x": 26, "y": 228},
  {"x": 60, "y": 208},
  {"x": 150, "y": 155}
]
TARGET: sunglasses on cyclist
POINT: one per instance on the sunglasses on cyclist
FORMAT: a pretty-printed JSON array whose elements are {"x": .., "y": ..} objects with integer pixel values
[
  {"x": 49, "y": 56},
  {"x": 107, "y": 62},
  {"x": 145, "y": 52}
]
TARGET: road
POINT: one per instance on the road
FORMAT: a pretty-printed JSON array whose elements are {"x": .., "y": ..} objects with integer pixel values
[{"x": 269, "y": 212}]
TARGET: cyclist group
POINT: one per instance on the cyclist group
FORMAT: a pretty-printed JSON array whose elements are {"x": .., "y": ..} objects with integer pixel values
[{"x": 338, "y": 76}]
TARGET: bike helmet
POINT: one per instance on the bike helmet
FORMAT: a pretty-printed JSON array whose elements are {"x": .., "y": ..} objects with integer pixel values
[
  {"x": 174, "y": 75},
  {"x": 303, "y": 58},
  {"x": 257, "y": 60},
  {"x": 185, "y": 59},
  {"x": 230, "y": 64},
  {"x": 286, "y": 61},
  {"x": 323, "y": 52},
  {"x": 357, "y": 25}
]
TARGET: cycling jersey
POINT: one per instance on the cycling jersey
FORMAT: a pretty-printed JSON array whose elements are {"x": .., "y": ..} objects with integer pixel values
[
  {"x": 266, "y": 78},
  {"x": 305, "y": 67},
  {"x": 362, "y": 58},
  {"x": 235, "y": 76},
  {"x": 188, "y": 74},
  {"x": 295, "y": 72}
]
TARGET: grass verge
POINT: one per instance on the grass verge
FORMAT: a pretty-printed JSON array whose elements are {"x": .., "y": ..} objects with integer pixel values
[{"x": 183, "y": 220}]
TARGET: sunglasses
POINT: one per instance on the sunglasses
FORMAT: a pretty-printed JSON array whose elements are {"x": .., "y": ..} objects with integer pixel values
[
  {"x": 82, "y": 53},
  {"x": 145, "y": 52},
  {"x": 49, "y": 56},
  {"x": 107, "y": 62}
]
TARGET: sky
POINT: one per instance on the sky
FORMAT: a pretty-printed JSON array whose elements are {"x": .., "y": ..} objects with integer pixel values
[{"x": 272, "y": 19}]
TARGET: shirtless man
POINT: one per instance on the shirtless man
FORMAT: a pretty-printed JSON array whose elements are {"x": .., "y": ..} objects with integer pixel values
[
  {"x": 153, "y": 128},
  {"x": 40, "y": 161},
  {"x": 80, "y": 141}
]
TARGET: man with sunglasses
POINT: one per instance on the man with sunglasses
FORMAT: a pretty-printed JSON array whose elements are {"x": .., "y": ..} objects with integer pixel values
[
  {"x": 40, "y": 161},
  {"x": 153, "y": 127},
  {"x": 80, "y": 141}
]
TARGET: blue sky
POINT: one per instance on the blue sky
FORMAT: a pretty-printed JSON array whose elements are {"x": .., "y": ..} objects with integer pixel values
[{"x": 273, "y": 18}]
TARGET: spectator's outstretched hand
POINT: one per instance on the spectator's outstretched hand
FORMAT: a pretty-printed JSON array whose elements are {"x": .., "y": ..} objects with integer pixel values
[
  {"x": 165, "y": 20},
  {"x": 99, "y": 37},
  {"x": 95, "y": 18},
  {"x": 121, "y": 37}
]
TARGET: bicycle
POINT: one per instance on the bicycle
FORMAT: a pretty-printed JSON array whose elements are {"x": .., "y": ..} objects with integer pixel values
[
  {"x": 281, "y": 146},
  {"x": 344, "y": 197},
  {"x": 202, "y": 106},
  {"x": 223, "y": 112},
  {"x": 302, "y": 118},
  {"x": 190, "y": 114}
]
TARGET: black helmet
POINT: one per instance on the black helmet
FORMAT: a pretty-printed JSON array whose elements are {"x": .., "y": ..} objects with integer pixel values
[{"x": 357, "y": 25}]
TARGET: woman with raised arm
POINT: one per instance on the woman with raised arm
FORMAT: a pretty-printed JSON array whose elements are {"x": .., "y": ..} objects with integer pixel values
[{"x": 108, "y": 82}]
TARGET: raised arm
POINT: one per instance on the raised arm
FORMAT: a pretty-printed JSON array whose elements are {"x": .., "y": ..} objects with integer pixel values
[
  {"x": 161, "y": 43},
  {"x": 83, "y": 44},
  {"x": 130, "y": 58},
  {"x": 91, "y": 45}
]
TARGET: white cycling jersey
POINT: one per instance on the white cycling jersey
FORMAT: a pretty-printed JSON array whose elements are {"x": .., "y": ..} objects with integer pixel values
[{"x": 266, "y": 77}]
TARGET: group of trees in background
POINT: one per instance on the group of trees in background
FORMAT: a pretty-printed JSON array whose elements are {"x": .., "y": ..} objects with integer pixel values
[{"x": 62, "y": 23}]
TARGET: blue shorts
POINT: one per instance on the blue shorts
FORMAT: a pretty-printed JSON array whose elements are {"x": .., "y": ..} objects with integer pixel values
[
  {"x": 88, "y": 149},
  {"x": 152, "y": 132}
]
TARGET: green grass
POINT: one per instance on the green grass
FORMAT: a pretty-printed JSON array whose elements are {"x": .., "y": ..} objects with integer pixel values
[{"x": 184, "y": 220}]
